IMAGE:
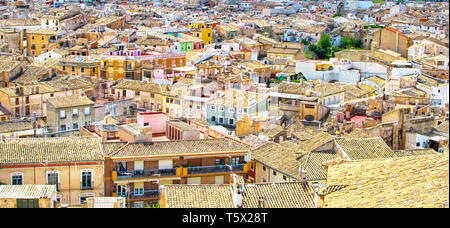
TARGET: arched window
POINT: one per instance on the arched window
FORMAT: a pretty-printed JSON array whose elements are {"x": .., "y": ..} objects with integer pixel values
[{"x": 213, "y": 119}]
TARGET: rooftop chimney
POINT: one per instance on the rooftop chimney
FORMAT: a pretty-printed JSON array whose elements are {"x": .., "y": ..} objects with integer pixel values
[{"x": 261, "y": 202}]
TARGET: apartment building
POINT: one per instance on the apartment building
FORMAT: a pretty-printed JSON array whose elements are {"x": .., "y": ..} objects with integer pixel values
[
  {"x": 136, "y": 170},
  {"x": 231, "y": 107},
  {"x": 78, "y": 65},
  {"x": 69, "y": 113},
  {"x": 41, "y": 41},
  {"x": 23, "y": 101},
  {"x": 73, "y": 165},
  {"x": 202, "y": 31}
]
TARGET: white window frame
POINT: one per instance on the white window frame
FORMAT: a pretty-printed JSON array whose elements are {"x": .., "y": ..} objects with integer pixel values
[
  {"x": 213, "y": 107},
  {"x": 16, "y": 174},
  {"x": 221, "y": 118},
  {"x": 231, "y": 110},
  {"x": 62, "y": 114},
  {"x": 221, "y": 108},
  {"x": 139, "y": 191},
  {"x": 87, "y": 111}
]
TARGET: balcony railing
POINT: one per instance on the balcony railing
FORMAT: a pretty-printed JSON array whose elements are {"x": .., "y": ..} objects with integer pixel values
[
  {"x": 215, "y": 169},
  {"x": 129, "y": 174},
  {"x": 145, "y": 195},
  {"x": 178, "y": 172}
]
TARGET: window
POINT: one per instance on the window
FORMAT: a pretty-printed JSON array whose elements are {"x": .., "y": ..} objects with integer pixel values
[
  {"x": 231, "y": 121},
  {"x": 27, "y": 203},
  {"x": 264, "y": 168},
  {"x": 17, "y": 179},
  {"x": 62, "y": 114},
  {"x": 53, "y": 179},
  {"x": 64, "y": 68},
  {"x": 63, "y": 127},
  {"x": 231, "y": 110},
  {"x": 213, "y": 119},
  {"x": 139, "y": 191},
  {"x": 73, "y": 69},
  {"x": 220, "y": 161},
  {"x": 221, "y": 120},
  {"x": 274, "y": 173},
  {"x": 87, "y": 111},
  {"x": 75, "y": 112},
  {"x": 86, "y": 180},
  {"x": 121, "y": 166},
  {"x": 75, "y": 126},
  {"x": 284, "y": 177},
  {"x": 213, "y": 107},
  {"x": 221, "y": 108},
  {"x": 82, "y": 69}
]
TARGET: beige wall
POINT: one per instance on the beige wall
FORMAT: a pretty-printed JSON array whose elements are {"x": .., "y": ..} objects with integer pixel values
[
  {"x": 54, "y": 121},
  {"x": 262, "y": 176}
]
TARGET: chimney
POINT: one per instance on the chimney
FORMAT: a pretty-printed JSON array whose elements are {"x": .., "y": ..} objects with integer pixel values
[
  {"x": 238, "y": 189},
  {"x": 261, "y": 202}
]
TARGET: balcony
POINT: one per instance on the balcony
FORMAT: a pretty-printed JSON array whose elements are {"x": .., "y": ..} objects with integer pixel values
[
  {"x": 147, "y": 173},
  {"x": 215, "y": 169}
]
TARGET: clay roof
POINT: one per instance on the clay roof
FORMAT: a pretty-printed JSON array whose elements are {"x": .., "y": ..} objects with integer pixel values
[
  {"x": 50, "y": 150},
  {"x": 184, "y": 147},
  {"x": 411, "y": 181},
  {"x": 69, "y": 101}
]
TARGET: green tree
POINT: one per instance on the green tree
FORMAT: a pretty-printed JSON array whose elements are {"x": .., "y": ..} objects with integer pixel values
[
  {"x": 323, "y": 49},
  {"x": 378, "y": 1},
  {"x": 297, "y": 77}
]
